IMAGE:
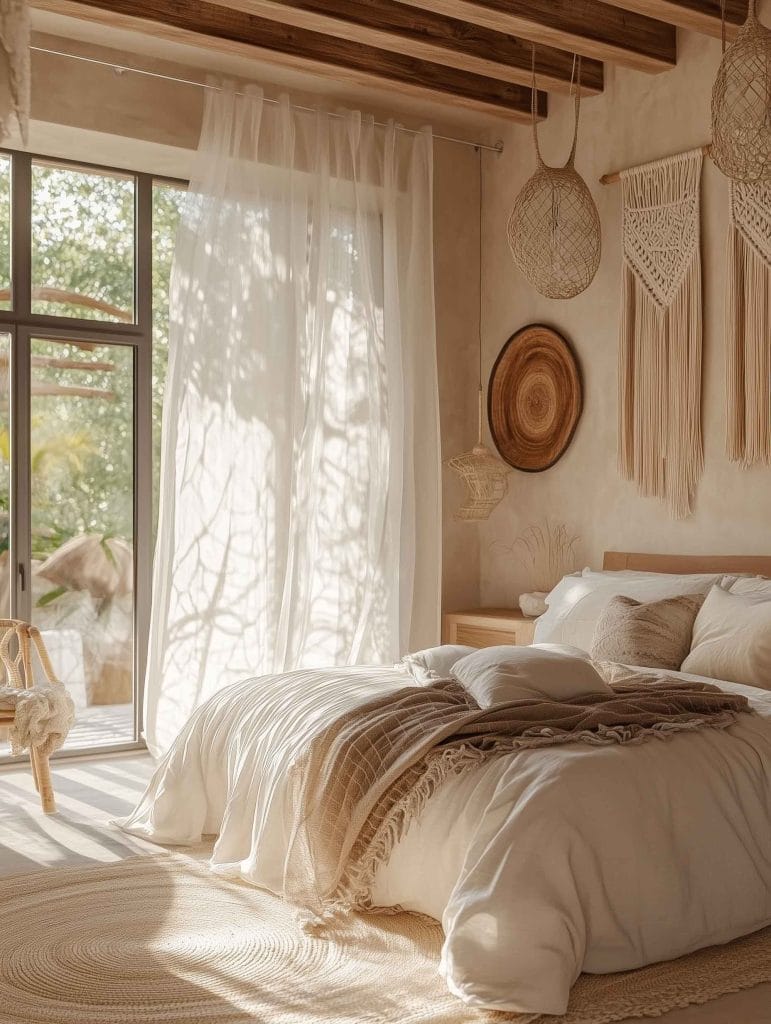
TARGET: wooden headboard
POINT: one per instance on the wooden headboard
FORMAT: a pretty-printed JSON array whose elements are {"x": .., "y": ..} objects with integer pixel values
[{"x": 756, "y": 564}]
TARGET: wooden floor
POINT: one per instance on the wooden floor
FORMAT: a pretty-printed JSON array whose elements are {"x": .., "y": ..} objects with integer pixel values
[
  {"x": 88, "y": 795},
  {"x": 100, "y": 725},
  {"x": 91, "y": 792}
]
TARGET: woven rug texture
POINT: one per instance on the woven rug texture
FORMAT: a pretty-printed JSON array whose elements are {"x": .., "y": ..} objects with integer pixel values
[{"x": 160, "y": 940}]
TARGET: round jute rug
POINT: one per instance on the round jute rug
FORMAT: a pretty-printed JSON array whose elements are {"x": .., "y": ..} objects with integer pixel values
[{"x": 159, "y": 940}]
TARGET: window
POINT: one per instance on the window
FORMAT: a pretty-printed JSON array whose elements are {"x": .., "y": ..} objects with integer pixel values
[
  {"x": 85, "y": 260},
  {"x": 82, "y": 243},
  {"x": 5, "y": 232}
]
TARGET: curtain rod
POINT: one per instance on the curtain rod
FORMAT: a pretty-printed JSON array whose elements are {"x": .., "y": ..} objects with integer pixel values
[
  {"x": 613, "y": 176},
  {"x": 497, "y": 148}
]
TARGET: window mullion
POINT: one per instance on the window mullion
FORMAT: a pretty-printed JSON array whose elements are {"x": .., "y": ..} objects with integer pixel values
[
  {"x": 143, "y": 437},
  {"x": 21, "y": 278},
  {"x": 143, "y": 255},
  {"x": 21, "y": 235},
  {"x": 20, "y": 493}
]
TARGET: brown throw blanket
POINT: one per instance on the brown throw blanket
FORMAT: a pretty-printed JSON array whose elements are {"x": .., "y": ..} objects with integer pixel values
[{"x": 364, "y": 778}]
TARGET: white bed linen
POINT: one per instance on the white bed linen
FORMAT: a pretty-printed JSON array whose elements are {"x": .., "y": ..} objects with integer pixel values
[
  {"x": 539, "y": 864},
  {"x": 574, "y": 606}
]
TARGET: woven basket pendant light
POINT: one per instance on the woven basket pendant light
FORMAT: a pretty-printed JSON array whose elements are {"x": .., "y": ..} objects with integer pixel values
[
  {"x": 554, "y": 227},
  {"x": 483, "y": 473},
  {"x": 484, "y": 476},
  {"x": 741, "y": 103}
]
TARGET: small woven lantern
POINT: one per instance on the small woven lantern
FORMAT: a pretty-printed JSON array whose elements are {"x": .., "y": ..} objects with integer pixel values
[
  {"x": 554, "y": 227},
  {"x": 741, "y": 104},
  {"x": 484, "y": 475}
]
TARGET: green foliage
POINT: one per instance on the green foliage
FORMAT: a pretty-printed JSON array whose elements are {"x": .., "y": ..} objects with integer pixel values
[
  {"x": 82, "y": 445},
  {"x": 50, "y": 597},
  {"x": 83, "y": 241}
]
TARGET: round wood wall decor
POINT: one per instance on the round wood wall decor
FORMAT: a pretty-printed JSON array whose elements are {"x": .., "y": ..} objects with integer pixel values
[{"x": 534, "y": 399}]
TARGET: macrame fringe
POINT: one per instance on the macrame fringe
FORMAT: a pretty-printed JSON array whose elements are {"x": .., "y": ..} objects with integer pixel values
[
  {"x": 660, "y": 393},
  {"x": 748, "y": 353},
  {"x": 660, "y": 363}
]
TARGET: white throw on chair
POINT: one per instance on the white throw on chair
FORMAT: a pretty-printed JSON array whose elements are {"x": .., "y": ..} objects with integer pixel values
[{"x": 39, "y": 714}]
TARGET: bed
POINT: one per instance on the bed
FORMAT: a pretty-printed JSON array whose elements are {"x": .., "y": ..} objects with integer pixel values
[{"x": 540, "y": 864}]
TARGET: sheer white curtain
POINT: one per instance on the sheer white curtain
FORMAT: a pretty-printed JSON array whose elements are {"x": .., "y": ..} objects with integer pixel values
[{"x": 300, "y": 512}]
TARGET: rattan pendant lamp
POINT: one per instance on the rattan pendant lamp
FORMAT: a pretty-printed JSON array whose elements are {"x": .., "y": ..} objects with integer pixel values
[
  {"x": 741, "y": 103},
  {"x": 484, "y": 475},
  {"x": 554, "y": 227}
]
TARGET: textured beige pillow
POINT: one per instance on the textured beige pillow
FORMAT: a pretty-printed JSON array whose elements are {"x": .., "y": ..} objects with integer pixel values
[
  {"x": 732, "y": 638},
  {"x": 652, "y": 635}
]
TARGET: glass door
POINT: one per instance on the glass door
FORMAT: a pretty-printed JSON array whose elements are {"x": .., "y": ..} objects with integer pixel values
[
  {"x": 6, "y": 577},
  {"x": 85, "y": 256},
  {"x": 80, "y": 586}
]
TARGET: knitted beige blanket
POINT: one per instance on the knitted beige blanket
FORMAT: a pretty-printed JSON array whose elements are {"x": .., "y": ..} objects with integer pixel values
[{"x": 365, "y": 777}]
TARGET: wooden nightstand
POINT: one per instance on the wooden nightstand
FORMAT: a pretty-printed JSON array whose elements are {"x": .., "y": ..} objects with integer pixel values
[{"x": 487, "y": 627}]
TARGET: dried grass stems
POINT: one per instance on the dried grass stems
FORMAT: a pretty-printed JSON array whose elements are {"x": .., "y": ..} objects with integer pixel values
[{"x": 546, "y": 551}]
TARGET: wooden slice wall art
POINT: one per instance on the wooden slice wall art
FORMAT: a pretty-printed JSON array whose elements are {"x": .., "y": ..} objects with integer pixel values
[{"x": 534, "y": 399}]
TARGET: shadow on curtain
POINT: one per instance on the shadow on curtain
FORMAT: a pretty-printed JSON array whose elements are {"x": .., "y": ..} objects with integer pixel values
[{"x": 299, "y": 515}]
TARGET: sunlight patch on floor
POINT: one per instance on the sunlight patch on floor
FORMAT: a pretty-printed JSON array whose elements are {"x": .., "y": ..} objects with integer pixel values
[{"x": 89, "y": 794}]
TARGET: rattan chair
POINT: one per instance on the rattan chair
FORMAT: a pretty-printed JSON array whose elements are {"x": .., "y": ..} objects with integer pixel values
[{"x": 17, "y": 640}]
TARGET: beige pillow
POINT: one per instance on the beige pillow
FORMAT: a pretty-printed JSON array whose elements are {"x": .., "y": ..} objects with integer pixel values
[
  {"x": 497, "y": 675},
  {"x": 732, "y": 638},
  {"x": 652, "y": 635}
]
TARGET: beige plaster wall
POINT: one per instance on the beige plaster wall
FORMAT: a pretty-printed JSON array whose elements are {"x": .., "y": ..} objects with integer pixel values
[
  {"x": 85, "y": 112},
  {"x": 638, "y": 118},
  {"x": 456, "y": 277}
]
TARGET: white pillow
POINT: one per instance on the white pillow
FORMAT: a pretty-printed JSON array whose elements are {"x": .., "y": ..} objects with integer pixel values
[
  {"x": 732, "y": 639},
  {"x": 497, "y": 675},
  {"x": 434, "y": 663},
  {"x": 574, "y": 607},
  {"x": 572, "y": 652},
  {"x": 721, "y": 581},
  {"x": 620, "y": 573},
  {"x": 758, "y": 585}
]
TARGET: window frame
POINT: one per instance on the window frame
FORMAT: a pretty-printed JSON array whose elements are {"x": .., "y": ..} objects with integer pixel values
[{"x": 23, "y": 325}]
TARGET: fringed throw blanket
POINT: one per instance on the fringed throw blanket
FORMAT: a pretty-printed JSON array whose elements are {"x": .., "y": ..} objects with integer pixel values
[
  {"x": 660, "y": 444},
  {"x": 44, "y": 717},
  {"x": 748, "y": 325},
  {"x": 364, "y": 778}
]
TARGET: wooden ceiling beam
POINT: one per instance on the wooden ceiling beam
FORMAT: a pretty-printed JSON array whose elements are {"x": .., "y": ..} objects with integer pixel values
[
  {"x": 696, "y": 15},
  {"x": 211, "y": 26},
  {"x": 589, "y": 27},
  {"x": 415, "y": 32}
]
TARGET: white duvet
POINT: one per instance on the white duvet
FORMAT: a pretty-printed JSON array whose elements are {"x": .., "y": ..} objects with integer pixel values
[{"x": 539, "y": 864}]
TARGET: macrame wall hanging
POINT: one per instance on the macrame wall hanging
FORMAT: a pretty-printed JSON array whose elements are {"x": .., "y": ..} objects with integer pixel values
[
  {"x": 484, "y": 475},
  {"x": 741, "y": 103},
  {"x": 14, "y": 67},
  {"x": 748, "y": 325},
  {"x": 554, "y": 227},
  {"x": 660, "y": 445}
]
